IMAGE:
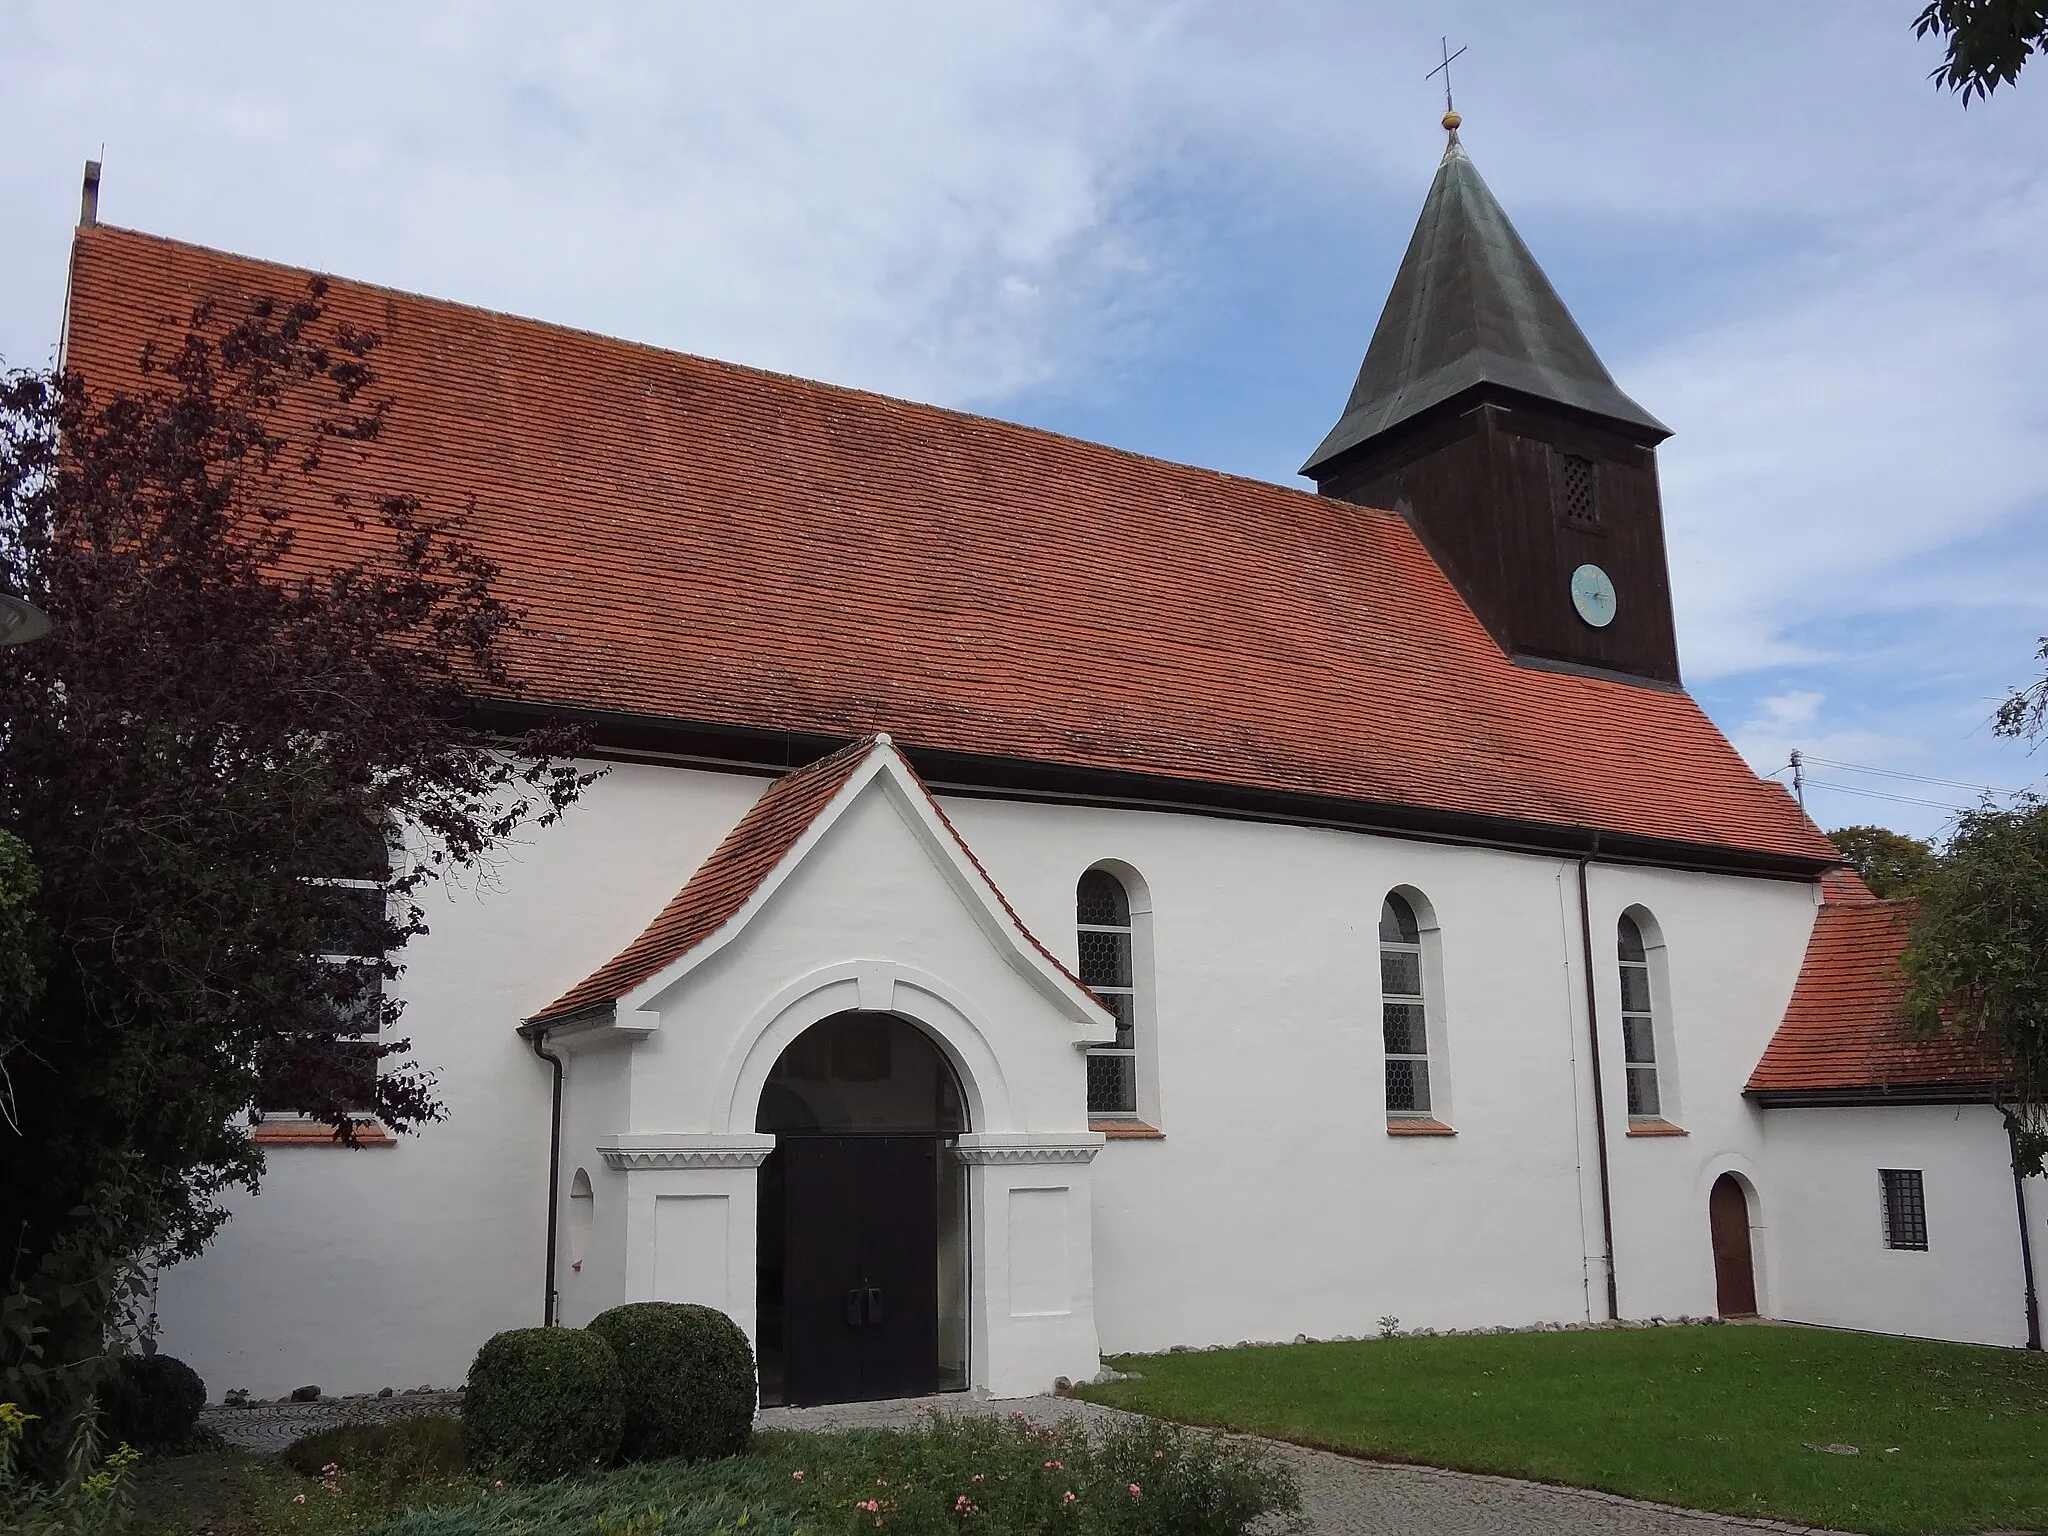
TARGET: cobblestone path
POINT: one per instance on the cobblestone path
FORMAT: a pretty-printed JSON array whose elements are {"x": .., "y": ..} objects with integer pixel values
[{"x": 273, "y": 1426}]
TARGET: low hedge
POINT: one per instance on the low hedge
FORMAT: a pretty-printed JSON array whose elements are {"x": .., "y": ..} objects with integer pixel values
[
  {"x": 152, "y": 1403},
  {"x": 543, "y": 1402},
  {"x": 689, "y": 1379}
]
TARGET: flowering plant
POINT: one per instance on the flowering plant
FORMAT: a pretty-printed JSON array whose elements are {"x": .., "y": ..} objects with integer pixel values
[{"x": 1015, "y": 1475}]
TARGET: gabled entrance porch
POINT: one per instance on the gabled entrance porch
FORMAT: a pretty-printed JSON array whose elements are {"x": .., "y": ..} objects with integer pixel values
[{"x": 878, "y": 1166}]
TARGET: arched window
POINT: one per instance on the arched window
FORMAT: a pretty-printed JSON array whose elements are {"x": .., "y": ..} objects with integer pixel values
[
  {"x": 1638, "y": 1024},
  {"x": 1404, "y": 1011},
  {"x": 1102, "y": 912},
  {"x": 582, "y": 1217}
]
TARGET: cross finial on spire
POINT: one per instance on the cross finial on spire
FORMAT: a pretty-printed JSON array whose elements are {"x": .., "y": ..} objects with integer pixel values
[{"x": 1451, "y": 118}]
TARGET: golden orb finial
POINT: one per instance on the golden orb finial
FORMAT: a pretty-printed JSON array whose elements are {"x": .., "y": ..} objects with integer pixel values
[{"x": 1451, "y": 122}]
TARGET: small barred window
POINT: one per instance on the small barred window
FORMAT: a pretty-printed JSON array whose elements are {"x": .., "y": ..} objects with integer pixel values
[
  {"x": 1579, "y": 491},
  {"x": 1905, "y": 1208}
]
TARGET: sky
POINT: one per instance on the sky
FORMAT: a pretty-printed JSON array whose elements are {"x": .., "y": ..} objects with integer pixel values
[{"x": 1171, "y": 227}]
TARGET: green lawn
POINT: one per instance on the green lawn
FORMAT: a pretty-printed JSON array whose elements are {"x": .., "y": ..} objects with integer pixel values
[{"x": 1952, "y": 1438}]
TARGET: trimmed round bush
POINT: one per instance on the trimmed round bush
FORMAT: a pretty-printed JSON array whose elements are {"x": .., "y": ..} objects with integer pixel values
[
  {"x": 152, "y": 1403},
  {"x": 543, "y": 1402},
  {"x": 689, "y": 1379}
]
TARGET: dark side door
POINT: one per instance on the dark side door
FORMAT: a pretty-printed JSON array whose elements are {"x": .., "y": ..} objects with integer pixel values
[
  {"x": 1734, "y": 1264},
  {"x": 860, "y": 1277}
]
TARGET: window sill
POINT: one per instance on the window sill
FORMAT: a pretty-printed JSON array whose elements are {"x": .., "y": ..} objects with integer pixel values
[
  {"x": 1418, "y": 1128},
  {"x": 1656, "y": 1128},
  {"x": 1127, "y": 1130},
  {"x": 316, "y": 1133}
]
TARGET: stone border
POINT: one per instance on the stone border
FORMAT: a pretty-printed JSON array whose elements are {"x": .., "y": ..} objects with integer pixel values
[{"x": 271, "y": 1426}]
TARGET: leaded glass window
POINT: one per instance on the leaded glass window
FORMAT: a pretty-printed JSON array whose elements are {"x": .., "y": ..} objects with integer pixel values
[
  {"x": 1638, "y": 1023},
  {"x": 1404, "y": 1015},
  {"x": 1103, "y": 918}
]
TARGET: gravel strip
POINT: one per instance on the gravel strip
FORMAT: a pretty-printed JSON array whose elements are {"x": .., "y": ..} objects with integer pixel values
[{"x": 273, "y": 1426}]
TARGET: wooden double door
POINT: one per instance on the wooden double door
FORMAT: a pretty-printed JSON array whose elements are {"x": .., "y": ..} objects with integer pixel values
[{"x": 860, "y": 1267}]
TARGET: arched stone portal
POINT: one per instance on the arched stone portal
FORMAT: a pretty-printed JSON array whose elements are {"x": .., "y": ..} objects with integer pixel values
[
  {"x": 1734, "y": 1255},
  {"x": 861, "y": 1241}
]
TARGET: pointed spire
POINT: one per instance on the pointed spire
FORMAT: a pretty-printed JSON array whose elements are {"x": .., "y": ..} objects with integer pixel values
[{"x": 1470, "y": 307}]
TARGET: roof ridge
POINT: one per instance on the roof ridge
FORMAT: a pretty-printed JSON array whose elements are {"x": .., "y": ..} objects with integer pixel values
[{"x": 854, "y": 391}]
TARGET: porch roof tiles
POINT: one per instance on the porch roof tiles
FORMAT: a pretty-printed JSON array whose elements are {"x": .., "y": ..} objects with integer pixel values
[
  {"x": 713, "y": 896},
  {"x": 742, "y": 862}
]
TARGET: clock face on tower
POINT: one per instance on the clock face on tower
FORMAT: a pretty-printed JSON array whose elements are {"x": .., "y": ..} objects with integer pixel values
[{"x": 1593, "y": 595}]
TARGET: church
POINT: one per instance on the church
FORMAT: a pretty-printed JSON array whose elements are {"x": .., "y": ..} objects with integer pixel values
[{"x": 1045, "y": 902}]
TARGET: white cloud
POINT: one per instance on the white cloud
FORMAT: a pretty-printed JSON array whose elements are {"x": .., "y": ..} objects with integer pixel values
[
  {"x": 923, "y": 198},
  {"x": 1784, "y": 722},
  {"x": 947, "y": 199},
  {"x": 1789, "y": 711},
  {"x": 1843, "y": 443}
]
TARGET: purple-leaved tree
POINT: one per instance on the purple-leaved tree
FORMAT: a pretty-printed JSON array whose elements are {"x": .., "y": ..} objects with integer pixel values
[{"x": 243, "y": 751}]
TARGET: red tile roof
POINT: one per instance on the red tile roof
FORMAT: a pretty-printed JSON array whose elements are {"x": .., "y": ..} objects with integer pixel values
[
  {"x": 712, "y": 896},
  {"x": 707, "y": 543},
  {"x": 1844, "y": 884},
  {"x": 1845, "y": 1032}
]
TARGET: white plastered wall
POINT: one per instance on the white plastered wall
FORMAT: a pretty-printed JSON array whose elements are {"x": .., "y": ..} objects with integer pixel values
[
  {"x": 596, "y": 1093},
  {"x": 1731, "y": 952},
  {"x": 1833, "y": 1265},
  {"x": 389, "y": 1266},
  {"x": 1276, "y": 1202}
]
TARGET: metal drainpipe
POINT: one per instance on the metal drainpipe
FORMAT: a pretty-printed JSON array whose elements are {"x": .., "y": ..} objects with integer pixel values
[
  {"x": 1599, "y": 1096},
  {"x": 2019, "y": 1196},
  {"x": 537, "y": 1038}
]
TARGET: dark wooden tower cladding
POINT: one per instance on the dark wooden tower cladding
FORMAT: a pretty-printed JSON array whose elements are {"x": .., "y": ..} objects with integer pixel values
[{"x": 1483, "y": 416}]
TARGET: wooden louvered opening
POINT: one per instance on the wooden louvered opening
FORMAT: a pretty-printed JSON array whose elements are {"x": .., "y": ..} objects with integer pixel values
[{"x": 1578, "y": 492}]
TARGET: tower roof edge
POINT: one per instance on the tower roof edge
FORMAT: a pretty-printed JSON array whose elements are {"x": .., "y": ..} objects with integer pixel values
[{"x": 1470, "y": 306}]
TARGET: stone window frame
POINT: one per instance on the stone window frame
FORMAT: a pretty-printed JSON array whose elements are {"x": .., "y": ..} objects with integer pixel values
[
  {"x": 1649, "y": 1038},
  {"x": 1142, "y": 1118},
  {"x": 1431, "y": 1117}
]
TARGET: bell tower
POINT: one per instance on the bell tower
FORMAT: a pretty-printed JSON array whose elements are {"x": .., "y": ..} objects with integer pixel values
[{"x": 1483, "y": 416}]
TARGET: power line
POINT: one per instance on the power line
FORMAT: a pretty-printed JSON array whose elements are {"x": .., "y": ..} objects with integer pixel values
[
  {"x": 1897, "y": 773},
  {"x": 1879, "y": 794}
]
